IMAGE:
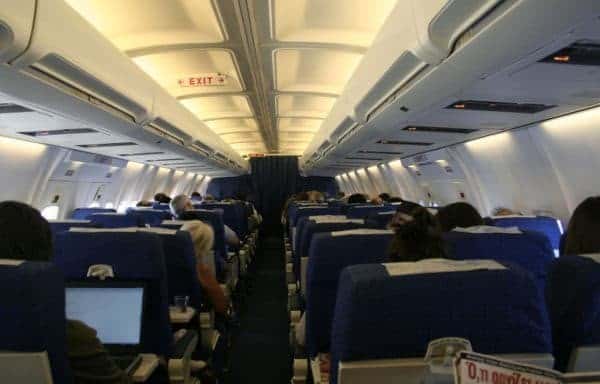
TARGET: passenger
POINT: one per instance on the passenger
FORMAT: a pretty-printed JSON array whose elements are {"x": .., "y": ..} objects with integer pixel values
[
  {"x": 196, "y": 197},
  {"x": 203, "y": 238},
  {"x": 144, "y": 204},
  {"x": 300, "y": 196},
  {"x": 26, "y": 235},
  {"x": 181, "y": 204},
  {"x": 395, "y": 199},
  {"x": 503, "y": 211},
  {"x": 315, "y": 196},
  {"x": 417, "y": 237},
  {"x": 209, "y": 198},
  {"x": 458, "y": 215},
  {"x": 385, "y": 197},
  {"x": 340, "y": 195},
  {"x": 357, "y": 198},
  {"x": 376, "y": 200},
  {"x": 582, "y": 235},
  {"x": 162, "y": 198}
]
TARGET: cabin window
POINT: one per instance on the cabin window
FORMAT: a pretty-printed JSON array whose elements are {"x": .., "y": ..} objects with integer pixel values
[
  {"x": 51, "y": 212},
  {"x": 109, "y": 205},
  {"x": 95, "y": 204}
]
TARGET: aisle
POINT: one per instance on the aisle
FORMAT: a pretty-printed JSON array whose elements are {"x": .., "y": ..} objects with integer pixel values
[{"x": 261, "y": 352}]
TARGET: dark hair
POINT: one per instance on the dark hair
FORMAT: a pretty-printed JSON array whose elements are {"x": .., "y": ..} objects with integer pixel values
[
  {"x": 395, "y": 199},
  {"x": 459, "y": 214},
  {"x": 340, "y": 195},
  {"x": 583, "y": 233},
  {"x": 162, "y": 198},
  {"x": 357, "y": 198},
  {"x": 24, "y": 233},
  {"x": 196, "y": 194},
  {"x": 301, "y": 196},
  {"x": 418, "y": 238},
  {"x": 385, "y": 197},
  {"x": 144, "y": 203}
]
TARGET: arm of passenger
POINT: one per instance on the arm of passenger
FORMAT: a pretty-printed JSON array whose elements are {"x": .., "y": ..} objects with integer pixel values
[
  {"x": 212, "y": 288},
  {"x": 231, "y": 238}
]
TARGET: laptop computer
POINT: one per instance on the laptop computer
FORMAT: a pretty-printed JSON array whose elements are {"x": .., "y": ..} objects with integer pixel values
[{"x": 116, "y": 311}]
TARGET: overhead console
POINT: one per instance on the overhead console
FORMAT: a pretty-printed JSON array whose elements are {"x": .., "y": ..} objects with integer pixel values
[
  {"x": 425, "y": 60},
  {"x": 54, "y": 61}
]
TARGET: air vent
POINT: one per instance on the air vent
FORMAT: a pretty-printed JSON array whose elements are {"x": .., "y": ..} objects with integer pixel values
[
  {"x": 162, "y": 128},
  {"x": 107, "y": 145},
  {"x": 400, "y": 142},
  {"x": 381, "y": 152},
  {"x": 576, "y": 54},
  {"x": 463, "y": 131},
  {"x": 57, "y": 132},
  {"x": 363, "y": 158},
  {"x": 202, "y": 148},
  {"x": 495, "y": 106},
  {"x": 140, "y": 154},
  {"x": 13, "y": 108}
]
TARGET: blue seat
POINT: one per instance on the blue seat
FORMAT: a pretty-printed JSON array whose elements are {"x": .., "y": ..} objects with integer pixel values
[
  {"x": 133, "y": 256},
  {"x": 234, "y": 215},
  {"x": 58, "y": 226},
  {"x": 305, "y": 211},
  {"x": 114, "y": 220},
  {"x": 362, "y": 211},
  {"x": 530, "y": 250},
  {"x": 146, "y": 216},
  {"x": 549, "y": 226},
  {"x": 329, "y": 254},
  {"x": 85, "y": 213},
  {"x": 32, "y": 312},
  {"x": 161, "y": 206},
  {"x": 381, "y": 315},
  {"x": 573, "y": 296},
  {"x": 379, "y": 219}
]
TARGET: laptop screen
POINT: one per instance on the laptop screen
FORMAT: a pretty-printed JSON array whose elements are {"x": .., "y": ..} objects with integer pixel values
[{"x": 115, "y": 312}]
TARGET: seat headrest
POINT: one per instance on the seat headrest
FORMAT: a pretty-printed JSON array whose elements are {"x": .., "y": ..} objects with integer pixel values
[
  {"x": 488, "y": 229},
  {"x": 440, "y": 266},
  {"x": 362, "y": 231},
  {"x": 97, "y": 230}
]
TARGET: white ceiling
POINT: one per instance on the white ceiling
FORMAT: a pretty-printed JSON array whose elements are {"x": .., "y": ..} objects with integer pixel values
[{"x": 284, "y": 62}]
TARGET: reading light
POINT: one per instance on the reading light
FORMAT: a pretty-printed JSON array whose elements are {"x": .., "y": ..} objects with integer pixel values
[
  {"x": 562, "y": 59},
  {"x": 412, "y": 129},
  {"x": 457, "y": 106}
]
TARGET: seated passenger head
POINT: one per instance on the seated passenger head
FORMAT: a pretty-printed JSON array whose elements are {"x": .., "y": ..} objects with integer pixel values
[
  {"x": 503, "y": 211},
  {"x": 302, "y": 196},
  {"x": 180, "y": 204},
  {"x": 457, "y": 215},
  {"x": 315, "y": 196},
  {"x": 202, "y": 237},
  {"x": 209, "y": 198},
  {"x": 357, "y": 198},
  {"x": 395, "y": 199},
  {"x": 24, "y": 233},
  {"x": 144, "y": 203},
  {"x": 385, "y": 197},
  {"x": 162, "y": 198},
  {"x": 196, "y": 196},
  {"x": 340, "y": 195},
  {"x": 417, "y": 236},
  {"x": 583, "y": 232}
]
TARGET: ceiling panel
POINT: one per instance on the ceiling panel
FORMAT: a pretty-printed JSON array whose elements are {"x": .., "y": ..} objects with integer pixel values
[
  {"x": 353, "y": 22},
  {"x": 218, "y": 107},
  {"x": 300, "y": 136},
  {"x": 225, "y": 126},
  {"x": 241, "y": 137},
  {"x": 299, "y": 125},
  {"x": 135, "y": 24},
  {"x": 302, "y": 105},
  {"x": 316, "y": 70},
  {"x": 179, "y": 71}
]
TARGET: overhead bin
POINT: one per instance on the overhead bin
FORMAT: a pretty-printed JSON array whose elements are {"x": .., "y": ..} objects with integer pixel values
[{"x": 16, "y": 24}]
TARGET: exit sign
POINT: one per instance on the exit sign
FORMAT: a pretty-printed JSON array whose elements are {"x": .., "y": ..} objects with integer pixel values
[{"x": 203, "y": 80}]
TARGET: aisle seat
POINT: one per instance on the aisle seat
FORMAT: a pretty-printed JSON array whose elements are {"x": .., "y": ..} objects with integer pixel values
[
  {"x": 392, "y": 311},
  {"x": 32, "y": 309},
  {"x": 149, "y": 216},
  {"x": 329, "y": 254},
  {"x": 308, "y": 211},
  {"x": 574, "y": 304},
  {"x": 551, "y": 227},
  {"x": 234, "y": 215}
]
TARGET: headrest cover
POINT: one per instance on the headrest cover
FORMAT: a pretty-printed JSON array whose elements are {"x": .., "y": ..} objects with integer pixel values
[
  {"x": 439, "y": 266},
  {"x": 173, "y": 222},
  {"x": 592, "y": 256},
  {"x": 512, "y": 217},
  {"x": 489, "y": 229},
  {"x": 362, "y": 231},
  {"x": 11, "y": 263},
  {"x": 158, "y": 230},
  {"x": 69, "y": 221},
  {"x": 96, "y": 230}
]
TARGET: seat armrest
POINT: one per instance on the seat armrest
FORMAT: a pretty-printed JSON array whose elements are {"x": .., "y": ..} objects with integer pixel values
[{"x": 179, "y": 363}]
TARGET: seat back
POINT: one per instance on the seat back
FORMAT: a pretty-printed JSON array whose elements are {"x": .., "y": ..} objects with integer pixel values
[
  {"x": 85, "y": 213},
  {"x": 161, "y": 206},
  {"x": 329, "y": 254},
  {"x": 362, "y": 211},
  {"x": 58, "y": 226},
  {"x": 395, "y": 310},
  {"x": 552, "y": 228},
  {"x": 305, "y": 211},
  {"x": 114, "y": 220},
  {"x": 379, "y": 219},
  {"x": 530, "y": 250},
  {"x": 32, "y": 311},
  {"x": 133, "y": 256},
  {"x": 148, "y": 216},
  {"x": 573, "y": 295},
  {"x": 234, "y": 215}
]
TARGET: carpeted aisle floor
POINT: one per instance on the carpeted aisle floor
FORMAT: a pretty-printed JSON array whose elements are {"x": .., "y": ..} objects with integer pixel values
[{"x": 260, "y": 352}]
